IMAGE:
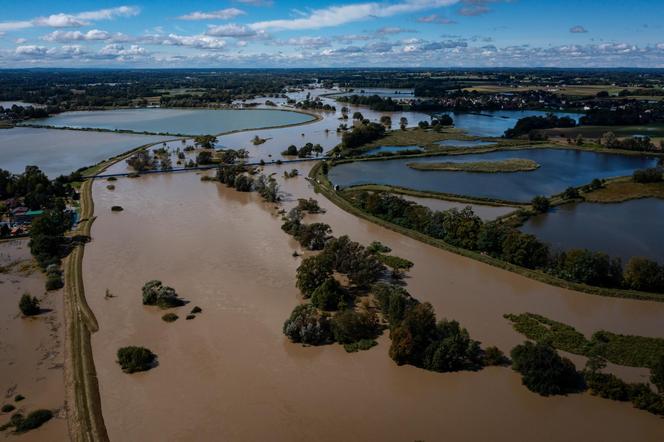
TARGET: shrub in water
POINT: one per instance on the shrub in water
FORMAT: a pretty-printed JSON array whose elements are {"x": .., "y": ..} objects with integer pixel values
[
  {"x": 133, "y": 359},
  {"x": 196, "y": 309},
  {"x": 34, "y": 420},
  {"x": 307, "y": 326},
  {"x": 155, "y": 293},
  {"x": 29, "y": 305},
  {"x": 7, "y": 408},
  {"x": 170, "y": 317}
]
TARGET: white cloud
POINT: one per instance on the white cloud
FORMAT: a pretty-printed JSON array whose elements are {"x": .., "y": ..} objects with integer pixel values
[
  {"x": 195, "y": 41},
  {"x": 339, "y": 15},
  {"x": 62, "y": 20},
  {"x": 91, "y": 35},
  {"x": 231, "y": 30},
  {"x": 435, "y": 18},
  {"x": 392, "y": 30},
  {"x": 222, "y": 14}
]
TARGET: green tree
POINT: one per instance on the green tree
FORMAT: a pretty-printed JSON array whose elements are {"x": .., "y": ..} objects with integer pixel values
[
  {"x": 329, "y": 295},
  {"x": 133, "y": 359},
  {"x": 657, "y": 375},
  {"x": 307, "y": 326},
  {"x": 350, "y": 326},
  {"x": 312, "y": 272},
  {"x": 544, "y": 371},
  {"x": 540, "y": 204},
  {"x": 29, "y": 305}
]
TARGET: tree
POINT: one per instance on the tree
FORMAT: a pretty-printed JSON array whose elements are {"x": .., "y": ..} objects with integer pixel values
[
  {"x": 657, "y": 375},
  {"x": 155, "y": 293},
  {"x": 290, "y": 151},
  {"x": 403, "y": 123},
  {"x": 307, "y": 326},
  {"x": 329, "y": 295},
  {"x": 204, "y": 157},
  {"x": 386, "y": 121},
  {"x": 524, "y": 250},
  {"x": 540, "y": 204},
  {"x": 358, "y": 116},
  {"x": 205, "y": 141},
  {"x": 313, "y": 236},
  {"x": 644, "y": 274},
  {"x": 47, "y": 242},
  {"x": 544, "y": 371},
  {"x": 133, "y": 359},
  {"x": 445, "y": 120},
  {"x": 571, "y": 193},
  {"x": 350, "y": 326},
  {"x": 587, "y": 267},
  {"x": 29, "y": 305},
  {"x": 141, "y": 161},
  {"x": 413, "y": 335},
  {"x": 312, "y": 272}
]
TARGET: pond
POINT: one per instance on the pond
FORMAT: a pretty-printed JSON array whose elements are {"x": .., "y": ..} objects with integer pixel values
[
  {"x": 560, "y": 168},
  {"x": 60, "y": 152},
  {"x": 176, "y": 121},
  {"x": 391, "y": 149},
  {"x": 464, "y": 143},
  {"x": 630, "y": 228},
  {"x": 495, "y": 123}
]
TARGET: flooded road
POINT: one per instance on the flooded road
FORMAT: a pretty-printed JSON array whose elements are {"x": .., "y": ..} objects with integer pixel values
[{"x": 230, "y": 374}]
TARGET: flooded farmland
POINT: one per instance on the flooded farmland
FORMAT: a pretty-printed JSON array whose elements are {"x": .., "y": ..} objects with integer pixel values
[{"x": 232, "y": 375}]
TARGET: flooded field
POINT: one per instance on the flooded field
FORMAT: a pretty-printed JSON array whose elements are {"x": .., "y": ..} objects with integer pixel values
[
  {"x": 630, "y": 228},
  {"x": 560, "y": 168},
  {"x": 31, "y": 349},
  {"x": 60, "y": 152},
  {"x": 225, "y": 252},
  {"x": 176, "y": 121}
]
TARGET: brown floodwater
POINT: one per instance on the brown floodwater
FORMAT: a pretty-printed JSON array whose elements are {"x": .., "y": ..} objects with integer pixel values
[
  {"x": 31, "y": 349},
  {"x": 230, "y": 374}
]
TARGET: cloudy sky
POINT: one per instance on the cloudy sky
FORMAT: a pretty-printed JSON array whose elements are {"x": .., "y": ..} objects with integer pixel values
[{"x": 323, "y": 33}]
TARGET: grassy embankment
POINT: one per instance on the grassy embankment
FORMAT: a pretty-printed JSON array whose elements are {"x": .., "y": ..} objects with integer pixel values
[
  {"x": 507, "y": 165},
  {"x": 632, "y": 351},
  {"x": 623, "y": 189},
  {"x": 323, "y": 186}
]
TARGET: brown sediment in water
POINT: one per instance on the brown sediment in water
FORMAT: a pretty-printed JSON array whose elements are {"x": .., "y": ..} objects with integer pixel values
[
  {"x": 31, "y": 349},
  {"x": 232, "y": 375}
]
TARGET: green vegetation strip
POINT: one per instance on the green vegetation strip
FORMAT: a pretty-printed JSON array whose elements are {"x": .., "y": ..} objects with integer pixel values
[
  {"x": 508, "y": 165},
  {"x": 633, "y": 351},
  {"x": 323, "y": 186},
  {"x": 625, "y": 189}
]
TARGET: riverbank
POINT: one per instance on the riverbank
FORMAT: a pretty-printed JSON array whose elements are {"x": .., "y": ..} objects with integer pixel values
[{"x": 324, "y": 186}]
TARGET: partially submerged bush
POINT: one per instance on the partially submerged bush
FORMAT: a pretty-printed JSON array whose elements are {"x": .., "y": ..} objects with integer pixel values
[
  {"x": 350, "y": 326},
  {"x": 170, "y": 317},
  {"x": 190, "y": 317},
  {"x": 494, "y": 356},
  {"x": 116, "y": 209},
  {"x": 54, "y": 277},
  {"x": 544, "y": 371},
  {"x": 29, "y": 305},
  {"x": 155, "y": 293},
  {"x": 33, "y": 420},
  {"x": 7, "y": 408},
  {"x": 196, "y": 309},
  {"x": 133, "y": 359},
  {"x": 307, "y": 326}
]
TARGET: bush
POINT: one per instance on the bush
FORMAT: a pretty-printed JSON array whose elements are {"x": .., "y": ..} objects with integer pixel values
[
  {"x": 190, "y": 317},
  {"x": 29, "y": 305},
  {"x": 170, "y": 317},
  {"x": 544, "y": 371},
  {"x": 362, "y": 344},
  {"x": 133, "y": 359},
  {"x": 393, "y": 301},
  {"x": 307, "y": 326},
  {"x": 652, "y": 175},
  {"x": 18, "y": 398},
  {"x": 540, "y": 204},
  {"x": 329, "y": 295},
  {"x": 644, "y": 274},
  {"x": 34, "y": 420},
  {"x": 350, "y": 326},
  {"x": 313, "y": 271},
  {"x": 587, "y": 267},
  {"x": 308, "y": 205},
  {"x": 494, "y": 356},
  {"x": 196, "y": 309},
  {"x": 154, "y": 293},
  {"x": 116, "y": 209},
  {"x": 8, "y": 408},
  {"x": 657, "y": 374},
  {"x": 54, "y": 282}
]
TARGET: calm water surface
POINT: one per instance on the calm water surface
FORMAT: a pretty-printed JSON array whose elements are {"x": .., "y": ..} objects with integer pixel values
[
  {"x": 631, "y": 228},
  {"x": 391, "y": 149},
  {"x": 560, "y": 168},
  {"x": 59, "y": 152},
  {"x": 176, "y": 121},
  {"x": 495, "y": 123}
]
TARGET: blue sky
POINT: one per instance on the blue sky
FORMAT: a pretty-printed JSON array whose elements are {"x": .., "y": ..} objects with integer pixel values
[{"x": 283, "y": 33}]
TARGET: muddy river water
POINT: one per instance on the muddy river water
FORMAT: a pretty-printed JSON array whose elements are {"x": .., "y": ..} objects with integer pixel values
[{"x": 230, "y": 374}]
